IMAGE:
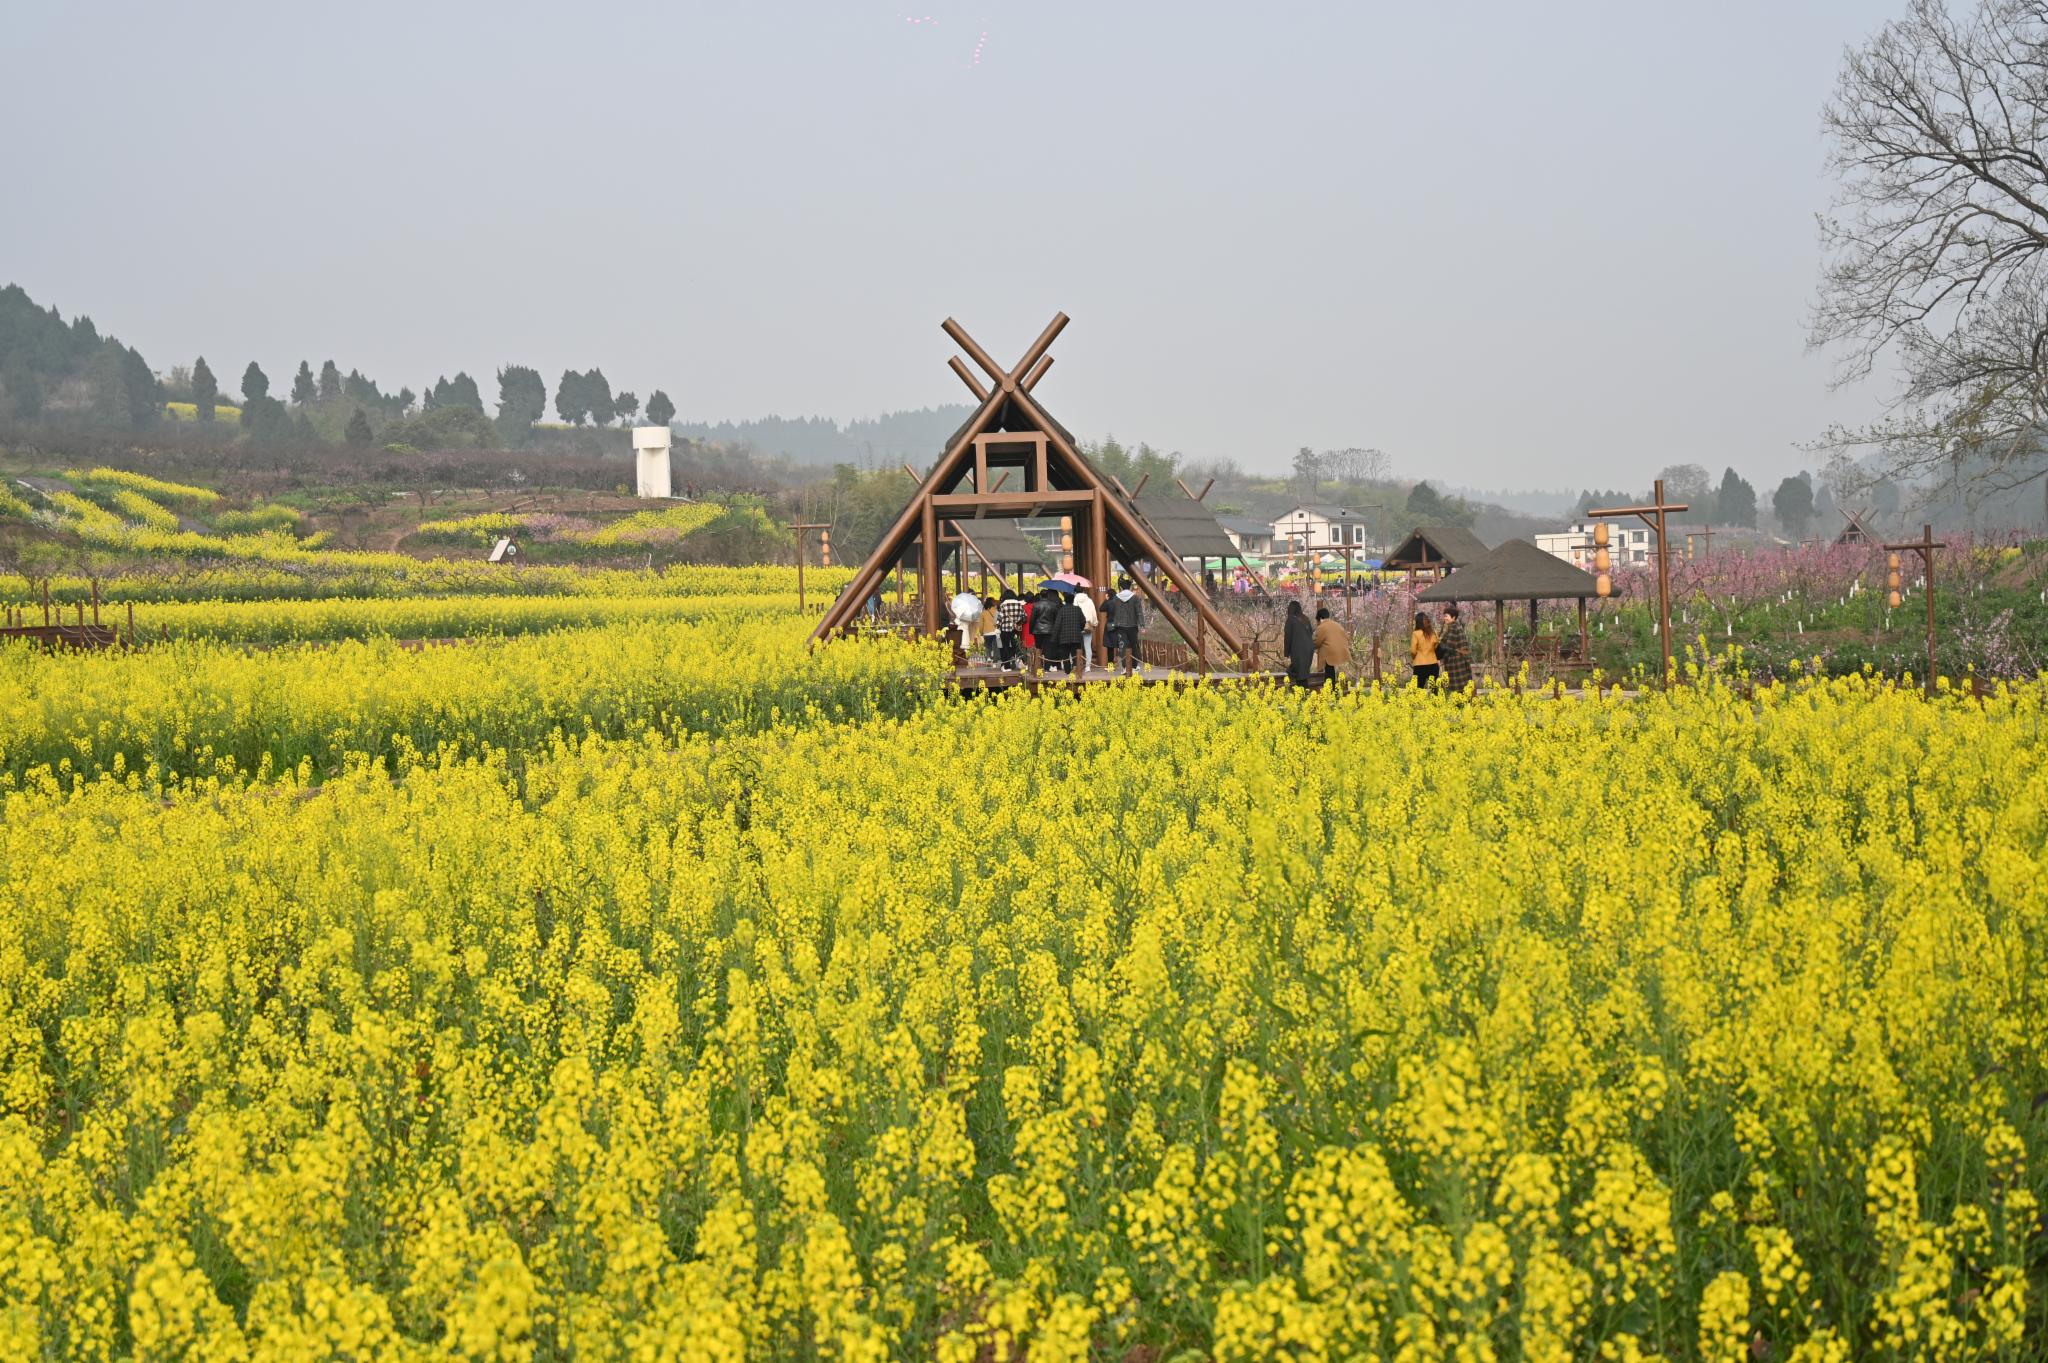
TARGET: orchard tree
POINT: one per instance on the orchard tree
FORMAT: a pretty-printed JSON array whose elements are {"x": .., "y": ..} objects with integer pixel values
[
  {"x": 302, "y": 385},
  {"x": 255, "y": 384},
  {"x": 205, "y": 390},
  {"x": 1937, "y": 243},
  {"x": 660, "y": 411}
]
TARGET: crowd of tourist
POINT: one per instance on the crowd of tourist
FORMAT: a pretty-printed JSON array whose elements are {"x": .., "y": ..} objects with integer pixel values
[
  {"x": 1320, "y": 654},
  {"x": 1059, "y": 622}
]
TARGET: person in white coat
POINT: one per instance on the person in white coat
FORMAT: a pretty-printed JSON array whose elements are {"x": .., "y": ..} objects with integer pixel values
[
  {"x": 1085, "y": 599},
  {"x": 966, "y": 608}
]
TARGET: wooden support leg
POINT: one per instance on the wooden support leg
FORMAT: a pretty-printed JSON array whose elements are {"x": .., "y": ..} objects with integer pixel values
[{"x": 931, "y": 584}]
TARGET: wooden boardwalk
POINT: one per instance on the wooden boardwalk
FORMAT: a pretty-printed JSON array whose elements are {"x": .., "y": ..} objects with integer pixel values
[{"x": 980, "y": 678}]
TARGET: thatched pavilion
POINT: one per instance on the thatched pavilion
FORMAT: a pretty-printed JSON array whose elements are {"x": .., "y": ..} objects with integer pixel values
[
  {"x": 1516, "y": 571},
  {"x": 1434, "y": 549}
]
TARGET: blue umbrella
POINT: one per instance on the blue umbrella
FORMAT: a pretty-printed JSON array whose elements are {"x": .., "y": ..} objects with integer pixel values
[{"x": 1063, "y": 588}]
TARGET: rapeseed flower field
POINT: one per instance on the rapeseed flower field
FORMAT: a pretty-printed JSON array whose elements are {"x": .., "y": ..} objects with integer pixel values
[{"x": 1235, "y": 1024}]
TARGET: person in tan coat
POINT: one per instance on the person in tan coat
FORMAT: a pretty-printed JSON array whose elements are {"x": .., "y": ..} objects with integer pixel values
[{"x": 1333, "y": 647}]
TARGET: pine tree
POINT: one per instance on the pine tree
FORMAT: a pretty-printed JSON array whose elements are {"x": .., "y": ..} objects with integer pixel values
[
  {"x": 255, "y": 384},
  {"x": 570, "y": 403},
  {"x": 1793, "y": 505},
  {"x": 660, "y": 411},
  {"x": 205, "y": 391},
  {"x": 1736, "y": 503},
  {"x": 626, "y": 404},
  {"x": 597, "y": 391},
  {"x": 302, "y": 385},
  {"x": 358, "y": 432},
  {"x": 462, "y": 392},
  {"x": 330, "y": 381}
]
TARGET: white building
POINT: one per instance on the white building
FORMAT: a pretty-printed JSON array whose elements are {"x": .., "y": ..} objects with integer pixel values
[
  {"x": 1626, "y": 543},
  {"x": 1250, "y": 536},
  {"x": 651, "y": 470},
  {"x": 1319, "y": 525}
]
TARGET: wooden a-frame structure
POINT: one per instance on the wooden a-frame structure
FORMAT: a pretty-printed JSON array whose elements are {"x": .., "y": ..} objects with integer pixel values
[{"x": 1010, "y": 432}]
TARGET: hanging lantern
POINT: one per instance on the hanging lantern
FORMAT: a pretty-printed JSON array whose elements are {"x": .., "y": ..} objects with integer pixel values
[
  {"x": 1601, "y": 561},
  {"x": 1603, "y": 586},
  {"x": 825, "y": 547},
  {"x": 1893, "y": 600},
  {"x": 1600, "y": 535}
]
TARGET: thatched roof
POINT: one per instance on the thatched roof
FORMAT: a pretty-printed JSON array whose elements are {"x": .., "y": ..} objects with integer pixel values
[
  {"x": 1000, "y": 539},
  {"x": 1430, "y": 546},
  {"x": 1188, "y": 527},
  {"x": 1001, "y": 542},
  {"x": 1516, "y": 571}
]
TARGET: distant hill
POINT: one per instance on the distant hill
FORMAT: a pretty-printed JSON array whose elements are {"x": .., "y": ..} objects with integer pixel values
[
  {"x": 917, "y": 436},
  {"x": 1534, "y": 502}
]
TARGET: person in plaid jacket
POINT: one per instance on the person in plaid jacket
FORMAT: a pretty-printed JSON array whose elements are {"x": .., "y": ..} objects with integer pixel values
[
  {"x": 1454, "y": 650},
  {"x": 1010, "y": 628}
]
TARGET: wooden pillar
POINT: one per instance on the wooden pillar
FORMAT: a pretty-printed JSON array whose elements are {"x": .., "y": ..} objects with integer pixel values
[
  {"x": 1098, "y": 573},
  {"x": 1500, "y": 637},
  {"x": 929, "y": 567},
  {"x": 1585, "y": 656},
  {"x": 1927, "y": 562}
]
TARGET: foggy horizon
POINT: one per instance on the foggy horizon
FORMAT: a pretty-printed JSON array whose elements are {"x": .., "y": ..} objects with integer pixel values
[{"x": 1514, "y": 249}]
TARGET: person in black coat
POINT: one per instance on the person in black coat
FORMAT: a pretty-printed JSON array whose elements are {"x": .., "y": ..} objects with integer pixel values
[
  {"x": 1068, "y": 625},
  {"x": 1300, "y": 641},
  {"x": 1126, "y": 623}
]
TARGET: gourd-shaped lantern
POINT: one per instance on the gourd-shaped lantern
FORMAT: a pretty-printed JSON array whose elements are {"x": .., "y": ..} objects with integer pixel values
[
  {"x": 1603, "y": 584},
  {"x": 1891, "y": 580}
]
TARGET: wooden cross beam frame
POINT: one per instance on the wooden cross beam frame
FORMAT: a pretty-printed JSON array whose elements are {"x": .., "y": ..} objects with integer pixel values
[
  {"x": 1924, "y": 547},
  {"x": 1113, "y": 516},
  {"x": 1656, "y": 516}
]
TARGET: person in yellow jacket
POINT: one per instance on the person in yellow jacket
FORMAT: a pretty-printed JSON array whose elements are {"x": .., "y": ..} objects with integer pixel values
[
  {"x": 1422, "y": 649},
  {"x": 1333, "y": 647}
]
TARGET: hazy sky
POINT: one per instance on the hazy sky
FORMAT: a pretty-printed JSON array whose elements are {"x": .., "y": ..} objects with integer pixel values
[{"x": 1513, "y": 244}]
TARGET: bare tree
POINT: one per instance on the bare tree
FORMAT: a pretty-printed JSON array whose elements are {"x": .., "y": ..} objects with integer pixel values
[
  {"x": 1308, "y": 473},
  {"x": 1938, "y": 242},
  {"x": 1355, "y": 465},
  {"x": 1689, "y": 483}
]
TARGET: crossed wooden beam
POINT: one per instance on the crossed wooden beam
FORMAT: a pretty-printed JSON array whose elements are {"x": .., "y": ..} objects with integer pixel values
[
  {"x": 1025, "y": 374},
  {"x": 1110, "y": 508}
]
